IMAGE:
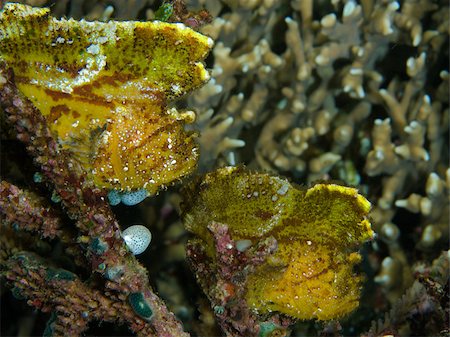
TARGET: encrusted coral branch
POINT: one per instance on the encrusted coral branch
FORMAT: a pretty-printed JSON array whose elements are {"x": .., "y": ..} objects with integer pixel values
[
  {"x": 25, "y": 210},
  {"x": 29, "y": 212},
  {"x": 62, "y": 292},
  {"x": 88, "y": 206},
  {"x": 225, "y": 286}
]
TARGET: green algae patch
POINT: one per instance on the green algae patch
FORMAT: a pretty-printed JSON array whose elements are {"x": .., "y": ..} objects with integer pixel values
[{"x": 318, "y": 231}]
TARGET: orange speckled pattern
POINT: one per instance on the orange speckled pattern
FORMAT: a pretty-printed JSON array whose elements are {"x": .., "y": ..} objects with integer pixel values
[
  {"x": 318, "y": 230},
  {"x": 104, "y": 89}
]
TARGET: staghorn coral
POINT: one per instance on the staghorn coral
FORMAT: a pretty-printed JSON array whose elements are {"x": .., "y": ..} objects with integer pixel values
[
  {"x": 48, "y": 288},
  {"x": 424, "y": 297}
]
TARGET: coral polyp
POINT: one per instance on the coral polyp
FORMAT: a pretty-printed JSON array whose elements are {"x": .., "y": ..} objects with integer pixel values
[{"x": 104, "y": 88}]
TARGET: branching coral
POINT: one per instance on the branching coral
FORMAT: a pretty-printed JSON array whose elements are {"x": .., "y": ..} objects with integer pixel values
[
  {"x": 73, "y": 302},
  {"x": 425, "y": 297}
]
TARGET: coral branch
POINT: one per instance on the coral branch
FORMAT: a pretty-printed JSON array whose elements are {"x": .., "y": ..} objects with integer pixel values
[
  {"x": 423, "y": 308},
  {"x": 75, "y": 303},
  {"x": 25, "y": 210},
  {"x": 225, "y": 286},
  {"x": 29, "y": 212}
]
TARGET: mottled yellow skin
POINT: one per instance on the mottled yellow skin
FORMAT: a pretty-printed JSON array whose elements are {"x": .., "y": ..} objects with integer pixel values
[
  {"x": 318, "y": 231},
  {"x": 104, "y": 88}
]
